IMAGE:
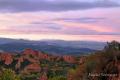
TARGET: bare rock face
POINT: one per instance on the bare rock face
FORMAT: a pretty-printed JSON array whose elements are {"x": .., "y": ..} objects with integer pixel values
[
  {"x": 30, "y": 52},
  {"x": 33, "y": 68},
  {"x": 7, "y": 58},
  {"x": 44, "y": 77},
  {"x": 82, "y": 60},
  {"x": 69, "y": 59},
  {"x": 44, "y": 56},
  {"x": 20, "y": 60}
]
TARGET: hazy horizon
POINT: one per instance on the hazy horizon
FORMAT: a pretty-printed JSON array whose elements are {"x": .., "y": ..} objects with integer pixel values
[{"x": 44, "y": 39}]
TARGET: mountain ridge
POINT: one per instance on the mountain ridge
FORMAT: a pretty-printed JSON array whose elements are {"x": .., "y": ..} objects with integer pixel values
[{"x": 51, "y": 46}]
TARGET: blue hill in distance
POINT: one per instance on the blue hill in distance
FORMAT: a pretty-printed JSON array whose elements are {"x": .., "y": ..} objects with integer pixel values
[{"x": 59, "y": 47}]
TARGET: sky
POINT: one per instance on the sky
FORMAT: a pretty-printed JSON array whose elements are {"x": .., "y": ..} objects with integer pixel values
[{"x": 95, "y": 20}]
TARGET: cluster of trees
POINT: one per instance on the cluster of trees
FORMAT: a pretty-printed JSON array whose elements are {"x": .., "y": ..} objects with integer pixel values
[
  {"x": 100, "y": 62},
  {"x": 8, "y": 74}
]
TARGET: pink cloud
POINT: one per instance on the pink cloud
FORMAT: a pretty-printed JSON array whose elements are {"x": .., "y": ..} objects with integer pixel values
[
  {"x": 87, "y": 26},
  {"x": 18, "y": 25}
]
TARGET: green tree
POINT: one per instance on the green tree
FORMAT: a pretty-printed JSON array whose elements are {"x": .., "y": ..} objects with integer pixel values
[
  {"x": 58, "y": 78},
  {"x": 8, "y": 74},
  {"x": 112, "y": 46}
]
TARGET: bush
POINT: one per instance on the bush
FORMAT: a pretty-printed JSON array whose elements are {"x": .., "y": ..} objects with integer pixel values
[
  {"x": 58, "y": 78},
  {"x": 8, "y": 74}
]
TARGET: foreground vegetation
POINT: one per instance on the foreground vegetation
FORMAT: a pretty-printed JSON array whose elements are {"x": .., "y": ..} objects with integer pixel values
[{"x": 102, "y": 65}]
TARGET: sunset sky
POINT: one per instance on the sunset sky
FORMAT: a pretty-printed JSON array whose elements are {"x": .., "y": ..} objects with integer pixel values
[{"x": 96, "y": 20}]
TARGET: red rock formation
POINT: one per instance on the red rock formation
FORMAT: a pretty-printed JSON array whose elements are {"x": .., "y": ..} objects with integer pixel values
[
  {"x": 44, "y": 77},
  {"x": 33, "y": 68},
  {"x": 69, "y": 59},
  {"x": 35, "y": 54},
  {"x": 7, "y": 58},
  {"x": 44, "y": 56},
  {"x": 82, "y": 60},
  {"x": 30, "y": 51},
  {"x": 20, "y": 60}
]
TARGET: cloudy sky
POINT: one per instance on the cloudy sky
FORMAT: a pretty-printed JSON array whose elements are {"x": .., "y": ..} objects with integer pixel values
[{"x": 97, "y": 20}]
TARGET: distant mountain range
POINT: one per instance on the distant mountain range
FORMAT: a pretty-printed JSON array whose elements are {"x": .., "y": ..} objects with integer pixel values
[{"x": 59, "y": 47}]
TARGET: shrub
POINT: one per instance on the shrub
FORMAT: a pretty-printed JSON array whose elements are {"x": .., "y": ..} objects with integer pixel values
[{"x": 8, "y": 74}]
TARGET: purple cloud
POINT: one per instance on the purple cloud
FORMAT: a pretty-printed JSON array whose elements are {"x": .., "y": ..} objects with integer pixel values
[
  {"x": 45, "y": 5},
  {"x": 82, "y": 19}
]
